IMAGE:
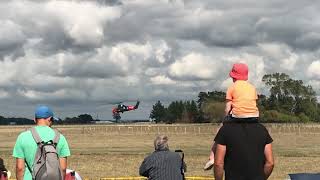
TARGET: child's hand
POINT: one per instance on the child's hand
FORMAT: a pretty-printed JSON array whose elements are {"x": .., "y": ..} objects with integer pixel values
[{"x": 209, "y": 165}]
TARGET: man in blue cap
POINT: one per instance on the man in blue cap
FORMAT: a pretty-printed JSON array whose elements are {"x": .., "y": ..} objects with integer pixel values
[{"x": 25, "y": 148}]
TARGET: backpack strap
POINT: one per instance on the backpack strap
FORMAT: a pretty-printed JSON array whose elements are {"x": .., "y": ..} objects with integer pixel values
[
  {"x": 35, "y": 135},
  {"x": 56, "y": 137},
  {"x": 29, "y": 168}
]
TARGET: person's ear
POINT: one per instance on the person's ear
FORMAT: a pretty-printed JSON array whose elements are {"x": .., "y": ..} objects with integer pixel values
[{"x": 50, "y": 121}]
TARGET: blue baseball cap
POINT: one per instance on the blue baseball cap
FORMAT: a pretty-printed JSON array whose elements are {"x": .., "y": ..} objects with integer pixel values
[{"x": 44, "y": 112}]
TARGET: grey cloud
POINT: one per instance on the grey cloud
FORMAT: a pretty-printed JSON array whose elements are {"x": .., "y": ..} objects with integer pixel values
[
  {"x": 95, "y": 70},
  {"x": 80, "y": 65},
  {"x": 11, "y": 39},
  {"x": 236, "y": 27}
]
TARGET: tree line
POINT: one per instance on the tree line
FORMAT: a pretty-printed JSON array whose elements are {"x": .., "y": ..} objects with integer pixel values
[
  {"x": 81, "y": 119},
  {"x": 176, "y": 112},
  {"x": 289, "y": 100}
]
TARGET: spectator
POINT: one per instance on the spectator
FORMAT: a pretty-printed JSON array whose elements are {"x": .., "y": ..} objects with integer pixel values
[
  {"x": 162, "y": 164},
  {"x": 4, "y": 173},
  {"x": 241, "y": 102},
  {"x": 25, "y": 148},
  {"x": 243, "y": 151}
]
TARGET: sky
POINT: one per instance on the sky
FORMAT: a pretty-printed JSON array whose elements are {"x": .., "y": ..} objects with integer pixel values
[{"x": 83, "y": 56}]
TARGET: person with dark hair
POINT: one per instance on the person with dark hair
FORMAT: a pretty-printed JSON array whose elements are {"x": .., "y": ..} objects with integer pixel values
[
  {"x": 162, "y": 164},
  {"x": 4, "y": 173},
  {"x": 2, "y": 166},
  {"x": 26, "y": 147}
]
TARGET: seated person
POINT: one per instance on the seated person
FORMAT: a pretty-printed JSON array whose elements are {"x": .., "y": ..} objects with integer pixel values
[{"x": 162, "y": 164}]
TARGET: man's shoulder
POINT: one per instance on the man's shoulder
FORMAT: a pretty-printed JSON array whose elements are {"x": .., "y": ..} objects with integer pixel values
[
  {"x": 172, "y": 153},
  {"x": 252, "y": 125},
  {"x": 157, "y": 154},
  {"x": 149, "y": 157},
  {"x": 25, "y": 134},
  {"x": 62, "y": 136}
]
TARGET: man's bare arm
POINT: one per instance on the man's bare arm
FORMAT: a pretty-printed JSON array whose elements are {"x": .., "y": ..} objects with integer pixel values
[
  {"x": 19, "y": 168},
  {"x": 219, "y": 161},
  {"x": 63, "y": 165},
  {"x": 269, "y": 164}
]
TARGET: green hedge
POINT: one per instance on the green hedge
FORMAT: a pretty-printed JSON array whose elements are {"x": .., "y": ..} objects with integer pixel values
[{"x": 275, "y": 116}]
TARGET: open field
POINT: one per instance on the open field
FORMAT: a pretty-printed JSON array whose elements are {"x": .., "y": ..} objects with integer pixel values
[{"x": 117, "y": 150}]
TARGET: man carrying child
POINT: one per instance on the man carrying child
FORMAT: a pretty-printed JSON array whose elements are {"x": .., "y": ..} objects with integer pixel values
[{"x": 242, "y": 147}]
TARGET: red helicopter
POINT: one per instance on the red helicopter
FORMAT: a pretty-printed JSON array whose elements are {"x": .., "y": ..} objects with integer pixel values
[{"x": 123, "y": 108}]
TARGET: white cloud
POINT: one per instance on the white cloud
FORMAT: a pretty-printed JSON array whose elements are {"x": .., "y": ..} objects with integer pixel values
[
  {"x": 226, "y": 83},
  {"x": 272, "y": 49},
  {"x": 282, "y": 53},
  {"x": 4, "y": 94},
  {"x": 162, "y": 51},
  {"x": 62, "y": 94},
  {"x": 314, "y": 70},
  {"x": 194, "y": 66},
  {"x": 10, "y": 34},
  {"x": 289, "y": 63},
  {"x": 161, "y": 80},
  {"x": 84, "y": 22},
  {"x": 8, "y": 72}
]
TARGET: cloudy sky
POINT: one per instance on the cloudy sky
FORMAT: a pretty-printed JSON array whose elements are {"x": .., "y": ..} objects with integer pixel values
[{"x": 80, "y": 56}]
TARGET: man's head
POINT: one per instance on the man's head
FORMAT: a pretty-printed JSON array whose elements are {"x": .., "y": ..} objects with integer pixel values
[
  {"x": 44, "y": 116},
  {"x": 161, "y": 143},
  {"x": 239, "y": 71}
]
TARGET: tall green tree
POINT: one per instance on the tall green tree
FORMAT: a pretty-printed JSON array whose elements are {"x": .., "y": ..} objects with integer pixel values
[
  {"x": 174, "y": 111},
  {"x": 158, "y": 112},
  {"x": 290, "y": 96},
  {"x": 85, "y": 118},
  {"x": 193, "y": 110},
  {"x": 190, "y": 113},
  {"x": 211, "y": 106},
  {"x": 276, "y": 82}
]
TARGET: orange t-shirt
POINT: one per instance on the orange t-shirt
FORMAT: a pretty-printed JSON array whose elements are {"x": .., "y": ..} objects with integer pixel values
[{"x": 243, "y": 96}]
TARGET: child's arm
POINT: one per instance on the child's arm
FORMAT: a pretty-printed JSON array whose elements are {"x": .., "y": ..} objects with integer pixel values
[{"x": 228, "y": 107}]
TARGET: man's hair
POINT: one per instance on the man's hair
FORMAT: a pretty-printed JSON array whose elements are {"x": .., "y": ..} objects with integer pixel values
[{"x": 161, "y": 143}]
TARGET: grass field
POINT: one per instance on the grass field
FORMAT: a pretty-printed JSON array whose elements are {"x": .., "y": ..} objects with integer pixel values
[{"x": 117, "y": 150}]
